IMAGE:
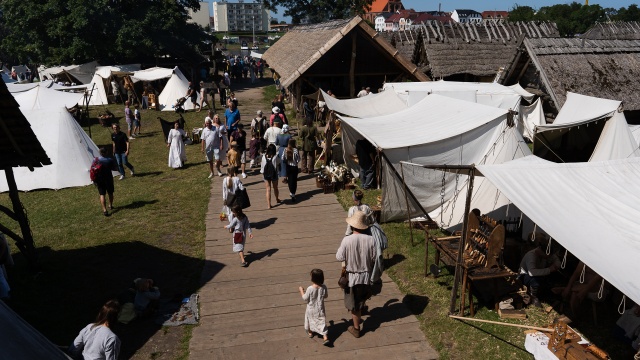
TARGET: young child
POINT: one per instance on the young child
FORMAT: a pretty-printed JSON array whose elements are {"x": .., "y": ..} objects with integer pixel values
[
  {"x": 314, "y": 318},
  {"x": 239, "y": 225},
  {"x": 254, "y": 148},
  {"x": 137, "y": 117},
  {"x": 233, "y": 157},
  {"x": 147, "y": 295},
  {"x": 229, "y": 186}
]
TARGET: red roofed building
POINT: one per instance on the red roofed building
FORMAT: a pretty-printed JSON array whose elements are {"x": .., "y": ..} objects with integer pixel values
[
  {"x": 495, "y": 15},
  {"x": 379, "y": 7}
]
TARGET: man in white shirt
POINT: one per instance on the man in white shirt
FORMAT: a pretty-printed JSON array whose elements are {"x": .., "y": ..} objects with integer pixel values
[
  {"x": 272, "y": 133},
  {"x": 358, "y": 252},
  {"x": 211, "y": 144}
]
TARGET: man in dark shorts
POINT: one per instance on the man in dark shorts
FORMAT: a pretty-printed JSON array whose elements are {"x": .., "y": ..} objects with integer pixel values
[
  {"x": 104, "y": 180},
  {"x": 358, "y": 253},
  {"x": 121, "y": 149},
  {"x": 193, "y": 94}
]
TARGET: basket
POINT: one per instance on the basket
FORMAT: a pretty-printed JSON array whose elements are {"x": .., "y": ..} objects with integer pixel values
[
  {"x": 319, "y": 183},
  {"x": 329, "y": 188}
]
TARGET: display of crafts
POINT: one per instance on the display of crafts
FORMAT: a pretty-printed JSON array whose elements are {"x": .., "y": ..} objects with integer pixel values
[{"x": 337, "y": 173}]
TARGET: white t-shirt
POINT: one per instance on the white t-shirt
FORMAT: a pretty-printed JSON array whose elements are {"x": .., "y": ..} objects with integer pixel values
[
  {"x": 211, "y": 138},
  {"x": 271, "y": 134}
]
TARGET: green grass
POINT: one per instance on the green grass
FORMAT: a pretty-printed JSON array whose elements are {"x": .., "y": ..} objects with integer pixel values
[
  {"x": 157, "y": 230},
  {"x": 454, "y": 339}
]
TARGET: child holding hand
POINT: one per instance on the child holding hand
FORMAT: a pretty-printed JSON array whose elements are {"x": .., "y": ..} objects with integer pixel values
[
  {"x": 315, "y": 318},
  {"x": 239, "y": 226}
]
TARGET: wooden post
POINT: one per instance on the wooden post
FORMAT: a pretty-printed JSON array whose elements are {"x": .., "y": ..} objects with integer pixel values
[
  {"x": 463, "y": 239},
  {"x": 28, "y": 246},
  {"x": 352, "y": 69}
]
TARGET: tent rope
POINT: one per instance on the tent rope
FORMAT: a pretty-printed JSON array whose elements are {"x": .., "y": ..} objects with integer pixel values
[
  {"x": 520, "y": 222},
  {"x": 533, "y": 238},
  {"x": 564, "y": 260},
  {"x": 553, "y": 152},
  {"x": 584, "y": 268},
  {"x": 601, "y": 291},
  {"x": 507, "y": 212},
  {"x": 548, "y": 251},
  {"x": 623, "y": 305}
]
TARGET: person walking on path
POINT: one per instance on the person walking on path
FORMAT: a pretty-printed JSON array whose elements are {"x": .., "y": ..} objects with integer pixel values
[
  {"x": 224, "y": 139},
  {"x": 104, "y": 180},
  {"x": 357, "y": 252},
  {"x": 128, "y": 117},
  {"x": 120, "y": 143},
  {"x": 239, "y": 227},
  {"x": 315, "y": 315},
  {"x": 175, "y": 143},
  {"x": 282, "y": 141},
  {"x": 232, "y": 114},
  {"x": 290, "y": 160},
  {"x": 211, "y": 145},
  {"x": 271, "y": 134},
  {"x": 270, "y": 174},
  {"x": 230, "y": 185},
  {"x": 309, "y": 136},
  {"x": 240, "y": 137}
]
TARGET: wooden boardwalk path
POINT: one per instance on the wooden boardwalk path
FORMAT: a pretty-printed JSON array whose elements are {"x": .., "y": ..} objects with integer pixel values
[{"x": 257, "y": 313}]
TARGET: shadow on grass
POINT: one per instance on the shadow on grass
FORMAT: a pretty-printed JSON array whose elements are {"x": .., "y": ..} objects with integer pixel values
[
  {"x": 136, "y": 205},
  {"x": 148, "y": 173},
  {"x": 494, "y": 336},
  {"x": 264, "y": 223},
  {"x": 394, "y": 260},
  {"x": 74, "y": 284}
]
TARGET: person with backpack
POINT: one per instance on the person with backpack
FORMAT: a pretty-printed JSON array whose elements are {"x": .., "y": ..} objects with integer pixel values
[
  {"x": 101, "y": 176},
  {"x": 270, "y": 174},
  {"x": 259, "y": 125}
]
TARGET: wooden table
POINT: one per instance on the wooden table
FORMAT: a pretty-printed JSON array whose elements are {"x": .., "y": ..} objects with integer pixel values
[{"x": 447, "y": 251}]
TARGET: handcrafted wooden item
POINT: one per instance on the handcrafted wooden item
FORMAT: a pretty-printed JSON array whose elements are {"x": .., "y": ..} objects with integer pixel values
[
  {"x": 485, "y": 242},
  {"x": 557, "y": 339}
]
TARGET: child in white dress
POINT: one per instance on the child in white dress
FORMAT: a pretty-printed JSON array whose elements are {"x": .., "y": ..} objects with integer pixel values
[
  {"x": 239, "y": 227},
  {"x": 315, "y": 318}
]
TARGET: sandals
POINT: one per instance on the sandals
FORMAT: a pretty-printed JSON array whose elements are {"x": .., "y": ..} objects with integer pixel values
[{"x": 310, "y": 334}]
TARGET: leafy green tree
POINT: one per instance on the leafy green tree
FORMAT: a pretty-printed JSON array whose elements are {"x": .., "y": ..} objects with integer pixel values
[
  {"x": 632, "y": 13},
  {"x": 521, "y": 13},
  {"x": 316, "y": 11},
  {"x": 76, "y": 31}
]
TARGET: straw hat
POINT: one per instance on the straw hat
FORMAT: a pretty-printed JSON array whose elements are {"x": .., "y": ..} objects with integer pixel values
[{"x": 358, "y": 220}]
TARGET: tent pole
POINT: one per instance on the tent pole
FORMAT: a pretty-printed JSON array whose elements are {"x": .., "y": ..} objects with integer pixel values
[
  {"x": 413, "y": 197},
  {"x": 28, "y": 246},
  {"x": 465, "y": 224},
  {"x": 406, "y": 199}
]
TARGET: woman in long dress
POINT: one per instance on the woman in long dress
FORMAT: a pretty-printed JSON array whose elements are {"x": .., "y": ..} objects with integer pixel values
[{"x": 177, "y": 155}]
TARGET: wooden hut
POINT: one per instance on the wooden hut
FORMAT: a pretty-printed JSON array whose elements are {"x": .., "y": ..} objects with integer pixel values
[
  {"x": 604, "y": 68},
  {"x": 466, "y": 52},
  {"x": 19, "y": 146},
  {"x": 339, "y": 55}
]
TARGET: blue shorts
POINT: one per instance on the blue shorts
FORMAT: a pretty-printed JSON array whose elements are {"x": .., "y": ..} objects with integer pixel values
[{"x": 213, "y": 154}]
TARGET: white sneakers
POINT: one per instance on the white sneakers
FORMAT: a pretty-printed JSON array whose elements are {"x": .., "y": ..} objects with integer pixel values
[
  {"x": 210, "y": 176},
  {"x": 121, "y": 177},
  {"x": 131, "y": 171},
  {"x": 244, "y": 176},
  {"x": 219, "y": 173}
]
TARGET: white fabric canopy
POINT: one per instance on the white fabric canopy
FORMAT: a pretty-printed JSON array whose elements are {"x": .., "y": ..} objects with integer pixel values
[
  {"x": 616, "y": 141},
  {"x": 524, "y": 93},
  {"x": 41, "y": 97},
  {"x": 106, "y": 71},
  {"x": 635, "y": 131},
  {"x": 68, "y": 146},
  {"x": 592, "y": 209},
  {"x": 581, "y": 109},
  {"x": 384, "y": 103},
  {"x": 151, "y": 74},
  {"x": 97, "y": 91},
  {"x": 256, "y": 55},
  {"x": 437, "y": 131},
  {"x": 491, "y": 94},
  {"x": 176, "y": 88},
  {"x": 529, "y": 117}
]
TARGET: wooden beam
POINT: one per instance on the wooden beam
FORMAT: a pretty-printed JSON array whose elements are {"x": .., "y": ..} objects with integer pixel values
[
  {"x": 352, "y": 69},
  {"x": 29, "y": 247}
]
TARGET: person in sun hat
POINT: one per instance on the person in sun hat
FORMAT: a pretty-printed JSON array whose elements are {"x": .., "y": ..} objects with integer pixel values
[
  {"x": 358, "y": 254},
  {"x": 277, "y": 116}
]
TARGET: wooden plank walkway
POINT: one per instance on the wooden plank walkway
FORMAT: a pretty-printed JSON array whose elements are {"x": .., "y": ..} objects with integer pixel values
[{"x": 257, "y": 313}]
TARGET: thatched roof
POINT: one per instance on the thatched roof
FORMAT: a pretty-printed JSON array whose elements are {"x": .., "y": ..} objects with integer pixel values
[
  {"x": 19, "y": 146},
  {"x": 607, "y": 69},
  {"x": 477, "y": 49},
  {"x": 620, "y": 30},
  {"x": 302, "y": 46}
]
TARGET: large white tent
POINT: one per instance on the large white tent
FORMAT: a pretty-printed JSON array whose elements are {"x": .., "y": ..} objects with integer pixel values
[
  {"x": 491, "y": 94},
  {"x": 383, "y": 103},
  {"x": 176, "y": 88},
  {"x": 592, "y": 209},
  {"x": 42, "y": 97},
  {"x": 102, "y": 75},
  {"x": 69, "y": 147},
  {"x": 438, "y": 130},
  {"x": 586, "y": 128},
  {"x": 152, "y": 74}
]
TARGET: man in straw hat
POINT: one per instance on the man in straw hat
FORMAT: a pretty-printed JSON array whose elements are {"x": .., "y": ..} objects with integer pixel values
[{"x": 358, "y": 253}]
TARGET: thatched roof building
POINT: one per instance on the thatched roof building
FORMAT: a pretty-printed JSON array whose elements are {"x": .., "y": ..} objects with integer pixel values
[
  {"x": 466, "y": 52},
  {"x": 620, "y": 30},
  {"x": 607, "y": 69},
  {"x": 310, "y": 57}
]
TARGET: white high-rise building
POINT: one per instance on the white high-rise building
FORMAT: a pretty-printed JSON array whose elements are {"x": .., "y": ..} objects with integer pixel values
[
  {"x": 240, "y": 16},
  {"x": 200, "y": 17}
]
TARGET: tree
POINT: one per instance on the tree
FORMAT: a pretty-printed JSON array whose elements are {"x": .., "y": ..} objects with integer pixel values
[
  {"x": 632, "y": 13},
  {"x": 521, "y": 13},
  {"x": 315, "y": 11},
  {"x": 274, "y": 21},
  {"x": 111, "y": 31}
]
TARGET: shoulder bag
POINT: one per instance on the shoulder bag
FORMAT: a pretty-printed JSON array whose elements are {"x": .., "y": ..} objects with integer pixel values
[{"x": 343, "y": 282}]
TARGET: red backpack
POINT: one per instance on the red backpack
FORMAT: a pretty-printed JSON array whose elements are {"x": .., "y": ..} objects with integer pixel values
[{"x": 94, "y": 171}]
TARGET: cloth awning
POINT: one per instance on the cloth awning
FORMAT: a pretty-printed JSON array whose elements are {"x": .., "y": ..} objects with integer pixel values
[
  {"x": 592, "y": 209},
  {"x": 151, "y": 74},
  {"x": 581, "y": 109},
  {"x": 384, "y": 103}
]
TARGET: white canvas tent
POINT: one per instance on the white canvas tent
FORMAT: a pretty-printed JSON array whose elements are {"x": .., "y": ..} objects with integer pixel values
[
  {"x": 491, "y": 94},
  {"x": 70, "y": 149},
  {"x": 586, "y": 128},
  {"x": 152, "y": 74},
  {"x": 176, "y": 88},
  {"x": 97, "y": 90},
  {"x": 41, "y": 97},
  {"x": 529, "y": 117},
  {"x": 386, "y": 102},
  {"x": 436, "y": 131},
  {"x": 101, "y": 78},
  {"x": 20, "y": 341},
  {"x": 592, "y": 209}
]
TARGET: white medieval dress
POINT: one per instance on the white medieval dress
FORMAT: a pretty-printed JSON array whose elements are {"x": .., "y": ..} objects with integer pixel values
[
  {"x": 177, "y": 155},
  {"x": 315, "y": 317}
]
